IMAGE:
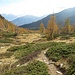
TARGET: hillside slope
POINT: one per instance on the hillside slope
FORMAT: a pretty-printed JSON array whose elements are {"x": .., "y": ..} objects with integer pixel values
[
  {"x": 61, "y": 17},
  {"x": 10, "y": 27}
]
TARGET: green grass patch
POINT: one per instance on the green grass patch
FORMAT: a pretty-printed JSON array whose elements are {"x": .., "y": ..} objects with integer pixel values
[
  {"x": 64, "y": 37},
  {"x": 71, "y": 70},
  {"x": 34, "y": 68},
  {"x": 24, "y": 50},
  {"x": 5, "y": 40},
  {"x": 60, "y": 50},
  {"x": 9, "y": 35},
  {"x": 67, "y": 51}
]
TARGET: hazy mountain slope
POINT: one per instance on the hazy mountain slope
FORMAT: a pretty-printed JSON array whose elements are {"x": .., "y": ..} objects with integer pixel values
[
  {"x": 25, "y": 20},
  {"x": 61, "y": 17},
  {"x": 10, "y": 27},
  {"x": 9, "y": 17}
]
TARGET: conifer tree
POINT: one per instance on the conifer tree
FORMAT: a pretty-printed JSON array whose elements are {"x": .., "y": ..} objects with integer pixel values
[
  {"x": 67, "y": 27},
  {"x": 52, "y": 28},
  {"x": 42, "y": 28},
  {"x": 73, "y": 28}
]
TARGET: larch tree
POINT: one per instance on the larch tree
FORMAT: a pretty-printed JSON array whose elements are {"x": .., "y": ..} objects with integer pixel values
[
  {"x": 67, "y": 27},
  {"x": 42, "y": 28},
  {"x": 52, "y": 28},
  {"x": 73, "y": 28}
]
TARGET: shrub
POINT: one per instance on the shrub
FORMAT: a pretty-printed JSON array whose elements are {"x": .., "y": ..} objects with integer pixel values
[
  {"x": 64, "y": 37},
  {"x": 5, "y": 40},
  {"x": 72, "y": 35},
  {"x": 34, "y": 68},
  {"x": 9, "y": 34},
  {"x": 60, "y": 50},
  {"x": 71, "y": 70},
  {"x": 63, "y": 51},
  {"x": 24, "y": 50}
]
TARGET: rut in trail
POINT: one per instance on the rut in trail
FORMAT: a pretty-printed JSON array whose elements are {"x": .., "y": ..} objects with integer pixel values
[{"x": 51, "y": 67}]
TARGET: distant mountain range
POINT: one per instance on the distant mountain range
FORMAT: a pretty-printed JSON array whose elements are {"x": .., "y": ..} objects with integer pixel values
[
  {"x": 10, "y": 27},
  {"x": 26, "y": 20},
  {"x": 9, "y": 17},
  {"x": 61, "y": 17},
  {"x": 21, "y": 20}
]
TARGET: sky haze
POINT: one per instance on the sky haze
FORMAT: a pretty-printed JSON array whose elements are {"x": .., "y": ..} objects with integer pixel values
[{"x": 34, "y": 7}]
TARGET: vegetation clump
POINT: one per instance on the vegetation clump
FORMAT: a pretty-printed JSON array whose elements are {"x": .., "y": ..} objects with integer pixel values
[
  {"x": 5, "y": 40},
  {"x": 24, "y": 50},
  {"x": 60, "y": 51},
  {"x": 34, "y": 68}
]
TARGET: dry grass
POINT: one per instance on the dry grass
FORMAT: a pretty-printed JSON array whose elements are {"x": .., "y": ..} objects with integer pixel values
[
  {"x": 22, "y": 39},
  {"x": 28, "y": 37},
  {"x": 71, "y": 40}
]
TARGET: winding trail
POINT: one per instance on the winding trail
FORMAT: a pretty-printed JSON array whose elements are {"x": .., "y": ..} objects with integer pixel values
[
  {"x": 51, "y": 67},
  {"x": 41, "y": 57}
]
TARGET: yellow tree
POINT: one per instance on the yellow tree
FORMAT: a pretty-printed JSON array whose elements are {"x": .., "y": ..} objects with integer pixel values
[
  {"x": 73, "y": 28},
  {"x": 42, "y": 28},
  {"x": 67, "y": 27},
  {"x": 52, "y": 28}
]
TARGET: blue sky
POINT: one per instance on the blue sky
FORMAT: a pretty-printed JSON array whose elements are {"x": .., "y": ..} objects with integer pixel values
[
  {"x": 34, "y": 7},
  {"x": 7, "y": 2}
]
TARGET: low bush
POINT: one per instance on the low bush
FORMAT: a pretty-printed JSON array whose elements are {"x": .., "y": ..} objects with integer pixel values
[
  {"x": 60, "y": 50},
  {"x": 9, "y": 34},
  {"x": 71, "y": 62},
  {"x": 71, "y": 69},
  {"x": 24, "y": 50},
  {"x": 34, "y": 68},
  {"x": 5, "y": 40},
  {"x": 56, "y": 35},
  {"x": 72, "y": 35},
  {"x": 64, "y": 37},
  {"x": 67, "y": 51}
]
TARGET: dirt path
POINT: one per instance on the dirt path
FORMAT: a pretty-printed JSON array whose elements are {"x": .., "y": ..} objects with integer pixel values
[
  {"x": 41, "y": 57},
  {"x": 51, "y": 67}
]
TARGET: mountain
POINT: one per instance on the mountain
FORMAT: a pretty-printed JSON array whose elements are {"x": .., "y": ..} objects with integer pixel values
[
  {"x": 61, "y": 17},
  {"x": 9, "y": 17},
  {"x": 10, "y": 27},
  {"x": 25, "y": 20}
]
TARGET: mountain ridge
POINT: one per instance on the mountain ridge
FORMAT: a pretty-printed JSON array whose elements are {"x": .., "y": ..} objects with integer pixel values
[
  {"x": 9, "y": 17},
  {"x": 26, "y": 19},
  {"x": 61, "y": 17}
]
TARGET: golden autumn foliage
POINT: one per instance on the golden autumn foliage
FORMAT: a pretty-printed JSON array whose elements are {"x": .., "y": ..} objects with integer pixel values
[
  {"x": 10, "y": 27},
  {"x": 67, "y": 27},
  {"x": 42, "y": 28},
  {"x": 73, "y": 28},
  {"x": 52, "y": 28}
]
